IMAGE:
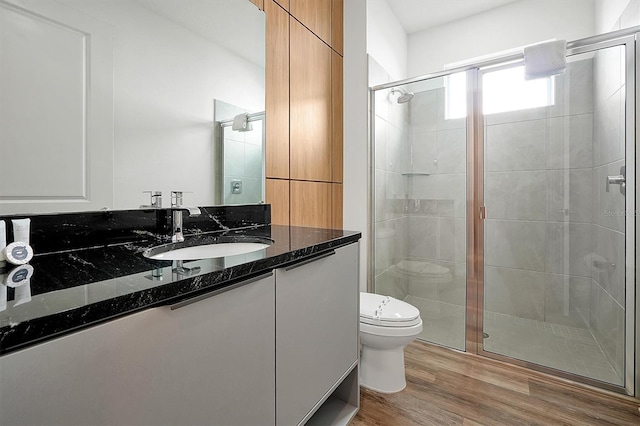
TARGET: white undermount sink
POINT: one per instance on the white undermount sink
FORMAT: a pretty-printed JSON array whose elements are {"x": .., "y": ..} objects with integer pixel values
[{"x": 206, "y": 251}]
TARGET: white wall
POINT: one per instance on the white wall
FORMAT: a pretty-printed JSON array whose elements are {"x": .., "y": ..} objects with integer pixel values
[
  {"x": 386, "y": 39},
  {"x": 165, "y": 80},
  {"x": 513, "y": 25},
  {"x": 355, "y": 126},
  {"x": 607, "y": 13}
]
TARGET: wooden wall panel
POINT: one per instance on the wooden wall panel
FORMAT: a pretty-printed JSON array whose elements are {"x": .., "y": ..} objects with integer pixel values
[
  {"x": 310, "y": 106},
  {"x": 337, "y": 120},
  {"x": 337, "y": 26},
  {"x": 315, "y": 15},
  {"x": 284, "y": 4},
  {"x": 336, "y": 205},
  {"x": 310, "y": 204},
  {"x": 277, "y": 191},
  {"x": 277, "y": 91},
  {"x": 259, "y": 3}
]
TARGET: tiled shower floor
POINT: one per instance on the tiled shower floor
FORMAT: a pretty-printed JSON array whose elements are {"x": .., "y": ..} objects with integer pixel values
[{"x": 564, "y": 348}]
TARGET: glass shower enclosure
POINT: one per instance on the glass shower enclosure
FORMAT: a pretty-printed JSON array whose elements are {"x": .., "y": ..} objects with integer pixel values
[{"x": 504, "y": 209}]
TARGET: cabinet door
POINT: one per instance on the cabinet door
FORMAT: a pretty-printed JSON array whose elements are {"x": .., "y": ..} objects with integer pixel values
[
  {"x": 310, "y": 204},
  {"x": 315, "y": 15},
  {"x": 208, "y": 363},
  {"x": 310, "y": 100},
  {"x": 316, "y": 330},
  {"x": 277, "y": 91}
]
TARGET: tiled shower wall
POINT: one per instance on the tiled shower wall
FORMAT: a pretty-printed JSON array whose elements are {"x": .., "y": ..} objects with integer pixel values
[
  {"x": 608, "y": 227},
  {"x": 608, "y": 281},
  {"x": 436, "y": 204},
  {"x": 391, "y": 158},
  {"x": 538, "y": 165}
]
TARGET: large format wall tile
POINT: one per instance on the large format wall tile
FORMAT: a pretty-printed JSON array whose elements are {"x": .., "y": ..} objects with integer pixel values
[
  {"x": 423, "y": 112},
  {"x": 570, "y": 142},
  {"x": 569, "y": 248},
  {"x": 570, "y": 195},
  {"x": 610, "y": 249},
  {"x": 607, "y": 326},
  {"x": 514, "y": 292},
  {"x": 452, "y": 239},
  {"x": 608, "y": 72},
  {"x": 424, "y": 153},
  {"x": 397, "y": 149},
  {"x": 422, "y": 237},
  {"x": 574, "y": 89},
  {"x": 567, "y": 300},
  {"x": 390, "y": 284},
  {"x": 515, "y": 244},
  {"x": 516, "y": 146},
  {"x": 381, "y": 142},
  {"x": 452, "y": 188},
  {"x": 452, "y": 151},
  {"x": 516, "y": 195},
  {"x": 610, "y": 208},
  {"x": 609, "y": 136}
]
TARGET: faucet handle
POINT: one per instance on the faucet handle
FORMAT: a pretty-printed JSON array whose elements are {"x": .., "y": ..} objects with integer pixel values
[
  {"x": 176, "y": 197},
  {"x": 156, "y": 198}
]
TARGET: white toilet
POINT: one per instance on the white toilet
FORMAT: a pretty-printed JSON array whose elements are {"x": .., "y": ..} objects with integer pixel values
[{"x": 387, "y": 325}]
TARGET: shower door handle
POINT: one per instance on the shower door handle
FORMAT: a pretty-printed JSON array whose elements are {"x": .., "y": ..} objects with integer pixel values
[{"x": 619, "y": 180}]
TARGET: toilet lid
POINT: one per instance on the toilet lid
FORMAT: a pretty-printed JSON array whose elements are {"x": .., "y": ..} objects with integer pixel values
[
  {"x": 382, "y": 310},
  {"x": 421, "y": 268}
]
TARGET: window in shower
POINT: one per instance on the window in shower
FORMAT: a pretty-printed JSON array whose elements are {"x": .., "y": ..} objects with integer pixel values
[{"x": 504, "y": 90}]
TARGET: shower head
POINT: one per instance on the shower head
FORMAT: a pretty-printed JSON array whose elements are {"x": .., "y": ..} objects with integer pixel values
[{"x": 404, "y": 96}]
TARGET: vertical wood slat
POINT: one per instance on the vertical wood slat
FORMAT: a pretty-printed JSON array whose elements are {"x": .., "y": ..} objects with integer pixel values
[
  {"x": 337, "y": 120},
  {"x": 337, "y": 26},
  {"x": 336, "y": 205},
  {"x": 277, "y": 91},
  {"x": 315, "y": 15},
  {"x": 310, "y": 97},
  {"x": 310, "y": 204},
  {"x": 283, "y": 3},
  {"x": 277, "y": 194}
]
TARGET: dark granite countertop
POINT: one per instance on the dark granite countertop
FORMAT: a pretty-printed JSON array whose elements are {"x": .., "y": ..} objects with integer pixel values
[{"x": 73, "y": 289}]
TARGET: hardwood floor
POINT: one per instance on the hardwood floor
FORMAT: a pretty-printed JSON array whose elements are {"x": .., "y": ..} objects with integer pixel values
[{"x": 445, "y": 387}]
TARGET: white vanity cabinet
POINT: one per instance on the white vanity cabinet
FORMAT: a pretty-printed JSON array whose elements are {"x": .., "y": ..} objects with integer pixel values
[
  {"x": 209, "y": 362},
  {"x": 281, "y": 349},
  {"x": 317, "y": 321}
]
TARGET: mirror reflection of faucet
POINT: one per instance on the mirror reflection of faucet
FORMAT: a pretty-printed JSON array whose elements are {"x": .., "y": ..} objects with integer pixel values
[
  {"x": 156, "y": 275},
  {"x": 182, "y": 271},
  {"x": 177, "y": 207}
]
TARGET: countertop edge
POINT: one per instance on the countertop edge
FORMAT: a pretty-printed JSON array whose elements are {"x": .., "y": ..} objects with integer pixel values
[{"x": 14, "y": 338}]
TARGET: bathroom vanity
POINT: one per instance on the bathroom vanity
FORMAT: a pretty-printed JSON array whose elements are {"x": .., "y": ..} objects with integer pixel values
[{"x": 111, "y": 337}]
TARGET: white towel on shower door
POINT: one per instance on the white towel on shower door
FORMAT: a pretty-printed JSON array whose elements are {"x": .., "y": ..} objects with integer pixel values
[{"x": 545, "y": 59}]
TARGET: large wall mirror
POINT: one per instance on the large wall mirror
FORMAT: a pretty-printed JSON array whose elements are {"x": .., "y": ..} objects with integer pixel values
[{"x": 101, "y": 100}]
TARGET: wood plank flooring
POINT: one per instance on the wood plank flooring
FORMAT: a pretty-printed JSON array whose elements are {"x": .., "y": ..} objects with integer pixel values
[{"x": 445, "y": 387}]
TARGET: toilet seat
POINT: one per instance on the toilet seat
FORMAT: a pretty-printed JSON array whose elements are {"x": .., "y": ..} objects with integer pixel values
[
  {"x": 383, "y": 331},
  {"x": 385, "y": 311}
]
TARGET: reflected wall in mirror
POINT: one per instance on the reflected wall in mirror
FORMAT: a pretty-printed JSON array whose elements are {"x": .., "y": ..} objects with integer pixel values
[{"x": 102, "y": 100}]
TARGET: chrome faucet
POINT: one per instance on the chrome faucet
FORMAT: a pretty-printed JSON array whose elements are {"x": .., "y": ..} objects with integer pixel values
[
  {"x": 156, "y": 200},
  {"x": 177, "y": 208}
]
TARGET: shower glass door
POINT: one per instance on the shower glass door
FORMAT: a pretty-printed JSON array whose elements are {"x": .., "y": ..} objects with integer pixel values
[
  {"x": 420, "y": 204},
  {"x": 557, "y": 214}
]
